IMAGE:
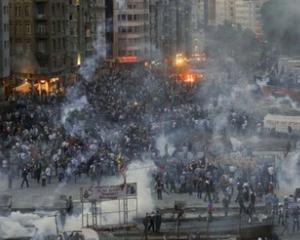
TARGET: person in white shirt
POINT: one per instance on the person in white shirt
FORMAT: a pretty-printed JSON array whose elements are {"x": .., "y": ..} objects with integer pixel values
[{"x": 48, "y": 174}]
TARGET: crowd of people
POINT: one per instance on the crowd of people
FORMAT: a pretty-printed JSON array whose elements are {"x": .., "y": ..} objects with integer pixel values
[{"x": 124, "y": 114}]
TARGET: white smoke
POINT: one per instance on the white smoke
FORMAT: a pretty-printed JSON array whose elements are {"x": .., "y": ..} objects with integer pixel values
[
  {"x": 26, "y": 225},
  {"x": 3, "y": 182},
  {"x": 137, "y": 172},
  {"x": 164, "y": 146},
  {"x": 289, "y": 178},
  {"x": 76, "y": 105},
  {"x": 36, "y": 226},
  {"x": 89, "y": 67}
]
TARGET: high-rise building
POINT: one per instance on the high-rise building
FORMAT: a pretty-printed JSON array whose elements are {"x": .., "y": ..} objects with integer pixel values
[
  {"x": 131, "y": 30},
  {"x": 225, "y": 11},
  {"x": 178, "y": 26},
  {"x": 197, "y": 26},
  {"x": 209, "y": 12},
  {"x": 4, "y": 45},
  {"x": 248, "y": 14},
  {"x": 38, "y": 33},
  {"x": 109, "y": 28},
  {"x": 51, "y": 38},
  {"x": 86, "y": 28}
]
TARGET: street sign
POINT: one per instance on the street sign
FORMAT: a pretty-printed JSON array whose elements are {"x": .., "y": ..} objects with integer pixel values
[{"x": 111, "y": 192}]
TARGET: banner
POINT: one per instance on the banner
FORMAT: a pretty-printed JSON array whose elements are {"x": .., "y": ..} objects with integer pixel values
[{"x": 98, "y": 193}]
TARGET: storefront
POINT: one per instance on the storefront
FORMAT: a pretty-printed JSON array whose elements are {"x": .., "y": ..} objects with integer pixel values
[{"x": 41, "y": 85}]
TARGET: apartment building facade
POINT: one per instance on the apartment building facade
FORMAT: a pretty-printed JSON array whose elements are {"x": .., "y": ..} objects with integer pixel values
[
  {"x": 51, "y": 38},
  {"x": 4, "y": 48},
  {"x": 131, "y": 30},
  {"x": 4, "y": 40},
  {"x": 177, "y": 26}
]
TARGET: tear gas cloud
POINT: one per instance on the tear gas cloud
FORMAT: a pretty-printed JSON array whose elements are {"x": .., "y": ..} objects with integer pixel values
[
  {"x": 26, "y": 225},
  {"x": 89, "y": 66},
  {"x": 37, "y": 225}
]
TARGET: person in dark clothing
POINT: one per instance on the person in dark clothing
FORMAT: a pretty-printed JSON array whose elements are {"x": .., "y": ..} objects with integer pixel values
[
  {"x": 295, "y": 215},
  {"x": 226, "y": 205},
  {"x": 285, "y": 221},
  {"x": 152, "y": 220},
  {"x": 44, "y": 179},
  {"x": 251, "y": 208},
  {"x": 38, "y": 172},
  {"x": 240, "y": 201},
  {"x": 24, "y": 177},
  {"x": 208, "y": 190},
  {"x": 69, "y": 205},
  {"x": 159, "y": 189},
  {"x": 146, "y": 222},
  {"x": 157, "y": 221},
  {"x": 199, "y": 188}
]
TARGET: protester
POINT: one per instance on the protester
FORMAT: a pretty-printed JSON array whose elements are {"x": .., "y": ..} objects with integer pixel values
[
  {"x": 295, "y": 215},
  {"x": 158, "y": 220},
  {"x": 152, "y": 222},
  {"x": 69, "y": 205},
  {"x": 24, "y": 177}
]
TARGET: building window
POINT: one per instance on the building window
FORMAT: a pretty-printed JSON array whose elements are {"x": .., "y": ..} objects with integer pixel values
[
  {"x": 64, "y": 43},
  {"x": 26, "y": 11},
  {"x": 41, "y": 46},
  {"x": 41, "y": 28},
  {"x": 53, "y": 10},
  {"x": 28, "y": 28},
  {"x": 59, "y": 44},
  {"x": 40, "y": 9},
  {"x": 53, "y": 27},
  {"x": 19, "y": 28},
  {"x": 18, "y": 11},
  {"x": 58, "y": 26}
]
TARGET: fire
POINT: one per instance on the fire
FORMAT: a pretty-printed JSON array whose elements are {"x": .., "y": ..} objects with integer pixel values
[
  {"x": 190, "y": 77},
  {"x": 180, "y": 60}
]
